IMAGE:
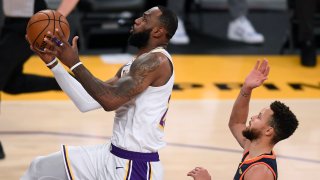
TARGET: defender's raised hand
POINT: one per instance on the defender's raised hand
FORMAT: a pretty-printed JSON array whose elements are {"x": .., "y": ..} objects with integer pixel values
[
  {"x": 257, "y": 76},
  {"x": 62, "y": 49},
  {"x": 199, "y": 173}
]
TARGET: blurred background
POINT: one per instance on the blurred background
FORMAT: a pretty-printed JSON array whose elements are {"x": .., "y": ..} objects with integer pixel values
[
  {"x": 216, "y": 45},
  {"x": 106, "y": 24},
  {"x": 103, "y": 25}
]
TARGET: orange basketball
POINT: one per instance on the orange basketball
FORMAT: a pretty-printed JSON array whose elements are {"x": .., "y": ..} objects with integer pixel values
[{"x": 42, "y": 22}]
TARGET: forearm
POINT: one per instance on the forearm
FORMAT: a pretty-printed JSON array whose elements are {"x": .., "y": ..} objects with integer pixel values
[
  {"x": 100, "y": 91},
  {"x": 240, "y": 108},
  {"x": 74, "y": 90},
  {"x": 66, "y": 6}
]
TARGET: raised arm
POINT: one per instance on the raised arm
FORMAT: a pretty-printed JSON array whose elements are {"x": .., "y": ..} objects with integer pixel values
[
  {"x": 145, "y": 71},
  {"x": 239, "y": 114},
  {"x": 75, "y": 91},
  {"x": 153, "y": 69}
]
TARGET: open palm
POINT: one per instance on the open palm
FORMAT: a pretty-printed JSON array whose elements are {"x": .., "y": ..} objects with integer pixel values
[{"x": 258, "y": 75}]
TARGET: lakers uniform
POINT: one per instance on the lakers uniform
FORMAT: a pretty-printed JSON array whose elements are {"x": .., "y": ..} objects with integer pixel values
[
  {"x": 137, "y": 136},
  {"x": 268, "y": 160}
]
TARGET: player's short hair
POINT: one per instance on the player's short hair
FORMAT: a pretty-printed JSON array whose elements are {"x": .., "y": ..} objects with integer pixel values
[
  {"x": 283, "y": 121},
  {"x": 169, "y": 20}
]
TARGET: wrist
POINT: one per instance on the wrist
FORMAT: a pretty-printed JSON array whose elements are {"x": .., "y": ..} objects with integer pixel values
[
  {"x": 75, "y": 65},
  {"x": 52, "y": 63},
  {"x": 245, "y": 91}
]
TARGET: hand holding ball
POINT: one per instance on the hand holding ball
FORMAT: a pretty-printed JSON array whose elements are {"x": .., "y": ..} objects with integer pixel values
[{"x": 42, "y": 22}]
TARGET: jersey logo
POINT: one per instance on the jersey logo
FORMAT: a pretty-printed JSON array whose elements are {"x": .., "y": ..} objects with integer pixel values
[{"x": 163, "y": 118}]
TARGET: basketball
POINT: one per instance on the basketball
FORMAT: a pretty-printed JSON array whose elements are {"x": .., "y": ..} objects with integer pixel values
[{"x": 42, "y": 22}]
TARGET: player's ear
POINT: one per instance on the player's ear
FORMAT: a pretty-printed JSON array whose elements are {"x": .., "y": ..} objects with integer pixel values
[
  {"x": 158, "y": 31},
  {"x": 269, "y": 131}
]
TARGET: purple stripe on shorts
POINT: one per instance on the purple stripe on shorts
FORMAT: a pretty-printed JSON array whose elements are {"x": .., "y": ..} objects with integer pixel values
[
  {"x": 139, "y": 170},
  {"x": 66, "y": 160},
  {"x": 134, "y": 155}
]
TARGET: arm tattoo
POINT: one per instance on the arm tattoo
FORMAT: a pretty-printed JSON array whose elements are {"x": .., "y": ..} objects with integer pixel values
[
  {"x": 125, "y": 88},
  {"x": 93, "y": 86},
  {"x": 139, "y": 71}
]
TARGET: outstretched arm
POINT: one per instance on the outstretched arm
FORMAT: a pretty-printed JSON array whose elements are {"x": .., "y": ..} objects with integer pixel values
[
  {"x": 146, "y": 70},
  {"x": 143, "y": 72},
  {"x": 75, "y": 90},
  {"x": 239, "y": 114},
  {"x": 70, "y": 85}
]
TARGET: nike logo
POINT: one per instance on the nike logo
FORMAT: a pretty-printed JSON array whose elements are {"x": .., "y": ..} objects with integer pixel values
[{"x": 118, "y": 167}]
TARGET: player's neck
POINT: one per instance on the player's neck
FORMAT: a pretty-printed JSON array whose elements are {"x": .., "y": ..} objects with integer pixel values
[
  {"x": 151, "y": 47},
  {"x": 259, "y": 147}
]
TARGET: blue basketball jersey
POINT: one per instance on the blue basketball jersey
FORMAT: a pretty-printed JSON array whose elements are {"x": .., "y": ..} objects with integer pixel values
[{"x": 268, "y": 160}]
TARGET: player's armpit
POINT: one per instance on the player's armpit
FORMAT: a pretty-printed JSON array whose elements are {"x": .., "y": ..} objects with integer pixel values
[
  {"x": 144, "y": 72},
  {"x": 153, "y": 69},
  {"x": 114, "y": 79}
]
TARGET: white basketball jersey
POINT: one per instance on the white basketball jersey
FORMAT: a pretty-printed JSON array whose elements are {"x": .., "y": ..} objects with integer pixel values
[
  {"x": 138, "y": 124},
  {"x": 18, "y": 8}
]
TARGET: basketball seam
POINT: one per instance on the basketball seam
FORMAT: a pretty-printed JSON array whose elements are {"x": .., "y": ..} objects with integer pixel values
[
  {"x": 46, "y": 20},
  {"x": 49, "y": 19},
  {"x": 54, "y": 22},
  {"x": 35, "y": 40},
  {"x": 60, "y": 25}
]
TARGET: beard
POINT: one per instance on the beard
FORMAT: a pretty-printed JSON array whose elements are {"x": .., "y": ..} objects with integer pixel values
[
  {"x": 139, "y": 39},
  {"x": 251, "y": 134}
]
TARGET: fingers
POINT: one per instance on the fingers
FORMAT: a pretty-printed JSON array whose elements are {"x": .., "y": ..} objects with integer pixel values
[
  {"x": 75, "y": 43},
  {"x": 50, "y": 52},
  {"x": 50, "y": 41},
  {"x": 26, "y": 36},
  {"x": 61, "y": 36},
  {"x": 31, "y": 47},
  {"x": 266, "y": 73},
  {"x": 263, "y": 65},
  {"x": 36, "y": 50},
  {"x": 263, "y": 68},
  {"x": 195, "y": 171},
  {"x": 54, "y": 44},
  {"x": 257, "y": 65},
  {"x": 191, "y": 173},
  {"x": 57, "y": 41}
]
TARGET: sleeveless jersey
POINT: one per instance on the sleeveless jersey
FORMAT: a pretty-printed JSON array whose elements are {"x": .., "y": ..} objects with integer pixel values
[
  {"x": 268, "y": 160},
  {"x": 138, "y": 124}
]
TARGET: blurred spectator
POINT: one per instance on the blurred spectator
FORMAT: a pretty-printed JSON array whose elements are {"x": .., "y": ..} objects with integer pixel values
[
  {"x": 305, "y": 11},
  {"x": 240, "y": 28},
  {"x": 15, "y": 50}
]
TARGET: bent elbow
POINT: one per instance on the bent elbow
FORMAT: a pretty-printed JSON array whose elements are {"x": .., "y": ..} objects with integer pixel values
[
  {"x": 83, "y": 110},
  {"x": 231, "y": 125},
  {"x": 110, "y": 107}
]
